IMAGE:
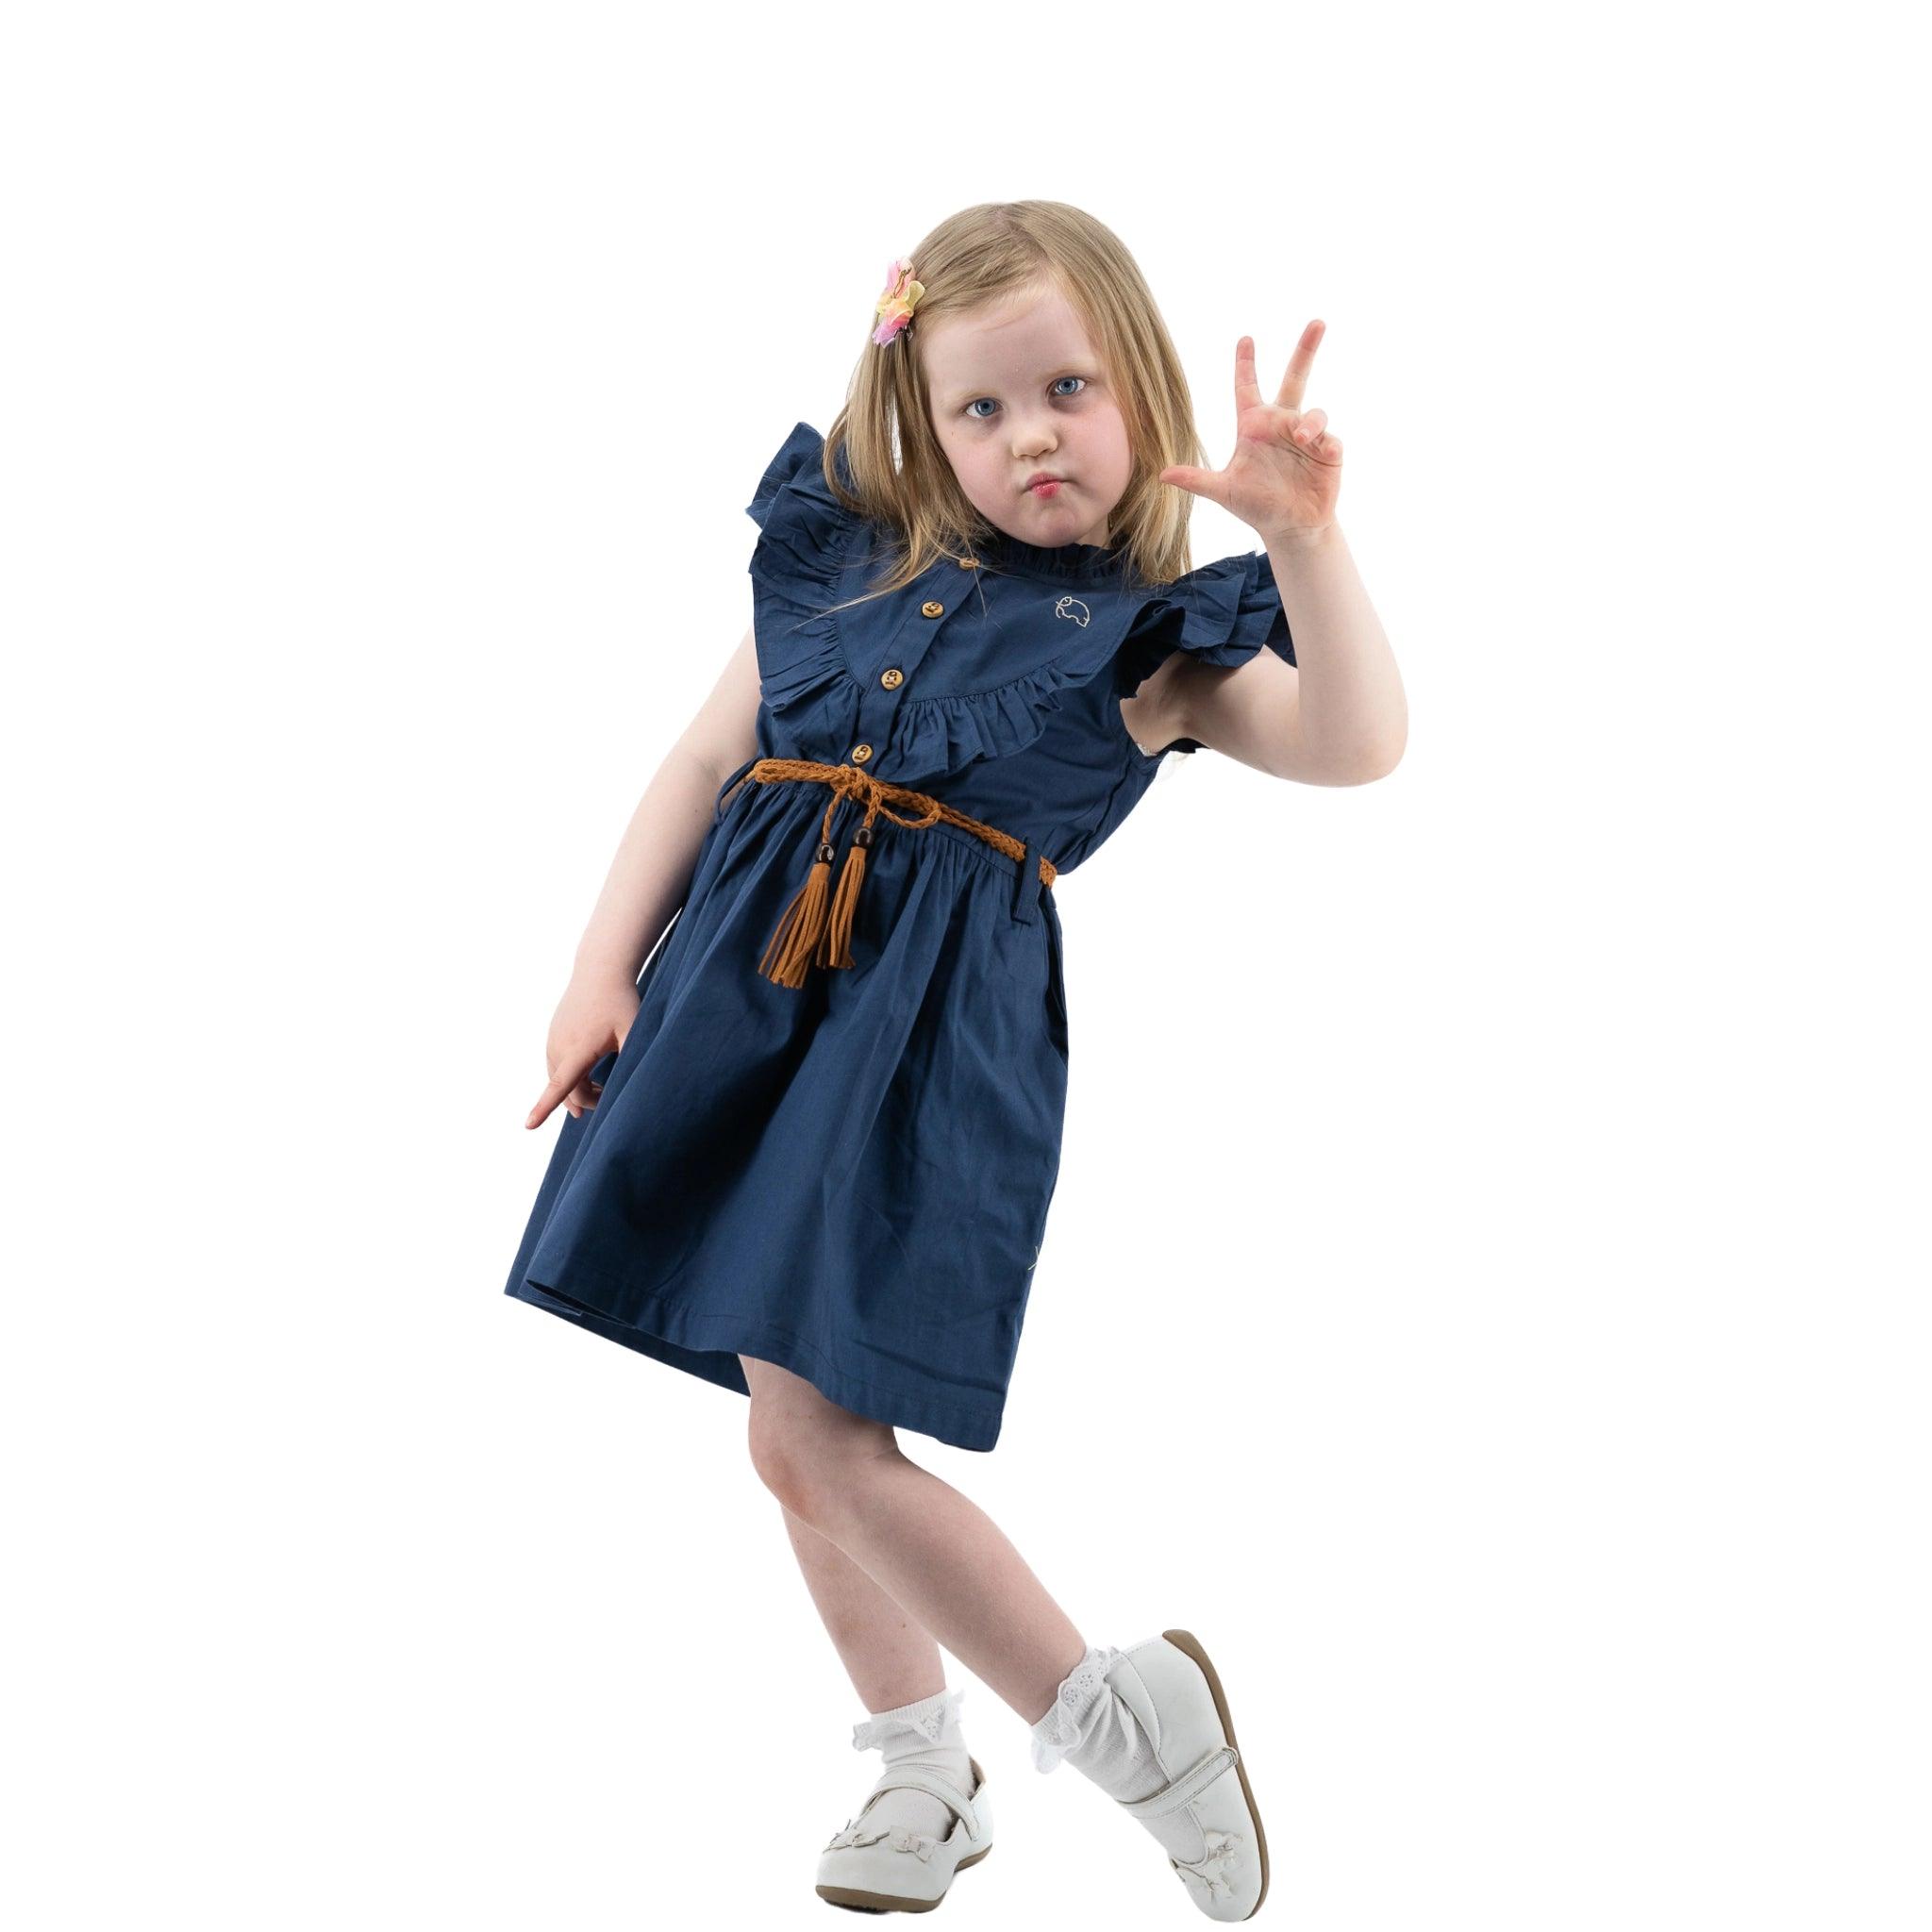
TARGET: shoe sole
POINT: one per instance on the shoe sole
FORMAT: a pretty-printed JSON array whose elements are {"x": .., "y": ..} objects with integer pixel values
[
  {"x": 1186, "y": 1641},
  {"x": 855, "y": 1901}
]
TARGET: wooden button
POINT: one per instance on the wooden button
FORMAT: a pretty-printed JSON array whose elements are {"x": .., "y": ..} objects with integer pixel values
[
  {"x": 969, "y": 563},
  {"x": 931, "y": 609},
  {"x": 892, "y": 679},
  {"x": 860, "y": 752}
]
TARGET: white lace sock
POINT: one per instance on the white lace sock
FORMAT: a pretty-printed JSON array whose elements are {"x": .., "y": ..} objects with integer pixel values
[
  {"x": 928, "y": 1734},
  {"x": 1096, "y": 1731}
]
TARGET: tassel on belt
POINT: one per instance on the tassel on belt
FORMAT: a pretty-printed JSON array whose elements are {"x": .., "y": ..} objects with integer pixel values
[{"x": 816, "y": 928}]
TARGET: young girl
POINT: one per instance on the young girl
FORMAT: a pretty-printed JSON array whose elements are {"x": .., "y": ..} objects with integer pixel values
[{"x": 810, "y": 1152}]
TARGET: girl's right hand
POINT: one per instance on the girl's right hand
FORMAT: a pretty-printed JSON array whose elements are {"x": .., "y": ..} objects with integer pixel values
[{"x": 591, "y": 1020}]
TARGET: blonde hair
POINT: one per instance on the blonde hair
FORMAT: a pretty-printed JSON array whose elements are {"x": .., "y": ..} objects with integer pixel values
[{"x": 978, "y": 256}]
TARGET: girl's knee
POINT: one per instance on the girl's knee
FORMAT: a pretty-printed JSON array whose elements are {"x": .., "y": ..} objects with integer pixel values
[
  {"x": 812, "y": 1454},
  {"x": 787, "y": 1467}
]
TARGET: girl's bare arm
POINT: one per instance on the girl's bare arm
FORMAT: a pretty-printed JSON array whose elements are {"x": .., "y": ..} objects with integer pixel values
[
  {"x": 659, "y": 850},
  {"x": 647, "y": 884},
  {"x": 1338, "y": 715}
]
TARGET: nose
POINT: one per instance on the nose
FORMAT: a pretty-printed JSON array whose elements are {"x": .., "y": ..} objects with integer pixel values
[{"x": 1034, "y": 440}]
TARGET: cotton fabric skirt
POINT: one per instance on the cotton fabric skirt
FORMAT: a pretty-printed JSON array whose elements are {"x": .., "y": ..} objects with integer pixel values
[{"x": 849, "y": 1178}]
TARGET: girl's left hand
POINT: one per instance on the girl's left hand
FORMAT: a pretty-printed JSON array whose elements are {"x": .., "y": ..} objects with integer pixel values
[{"x": 1286, "y": 471}]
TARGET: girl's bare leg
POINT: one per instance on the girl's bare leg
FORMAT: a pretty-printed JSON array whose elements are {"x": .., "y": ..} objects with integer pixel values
[
  {"x": 928, "y": 1551},
  {"x": 890, "y": 1656}
]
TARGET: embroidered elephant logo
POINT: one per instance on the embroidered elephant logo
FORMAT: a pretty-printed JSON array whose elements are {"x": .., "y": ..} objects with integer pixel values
[{"x": 1071, "y": 607}]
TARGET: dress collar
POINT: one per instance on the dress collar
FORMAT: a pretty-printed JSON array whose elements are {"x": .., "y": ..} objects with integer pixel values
[{"x": 1078, "y": 563}]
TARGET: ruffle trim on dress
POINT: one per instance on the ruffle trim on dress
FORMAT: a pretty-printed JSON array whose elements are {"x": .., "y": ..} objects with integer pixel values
[
  {"x": 805, "y": 535},
  {"x": 1221, "y": 613},
  {"x": 944, "y": 733}
]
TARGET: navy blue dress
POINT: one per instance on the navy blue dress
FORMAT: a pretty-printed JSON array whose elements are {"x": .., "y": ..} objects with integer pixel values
[{"x": 851, "y": 1177}]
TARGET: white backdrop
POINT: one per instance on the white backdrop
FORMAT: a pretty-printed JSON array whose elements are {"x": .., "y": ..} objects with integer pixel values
[{"x": 1483, "y": 1297}]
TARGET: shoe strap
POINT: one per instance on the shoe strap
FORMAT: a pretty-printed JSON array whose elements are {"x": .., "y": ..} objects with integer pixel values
[
  {"x": 913, "y": 1778},
  {"x": 1186, "y": 1788}
]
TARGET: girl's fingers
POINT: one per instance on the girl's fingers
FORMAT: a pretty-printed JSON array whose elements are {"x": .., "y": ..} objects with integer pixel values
[
  {"x": 1294, "y": 381},
  {"x": 562, "y": 1082},
  {"x": 548, "y": 1099},
  {"x": 1308, "y": 430},
  {"x": 1185, "y": 476},
  {"x": 1248, "y": 392}
]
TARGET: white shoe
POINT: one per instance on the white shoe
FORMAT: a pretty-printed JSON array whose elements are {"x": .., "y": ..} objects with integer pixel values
[
  {"x": 1204, "y": 1819},
  {"x": 893, "y": 1868}
]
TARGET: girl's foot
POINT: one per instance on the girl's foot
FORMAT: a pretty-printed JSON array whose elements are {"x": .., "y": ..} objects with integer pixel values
[
  {"x": 1150, "y": 1725},
  {"x": 924, "y": 1819}
]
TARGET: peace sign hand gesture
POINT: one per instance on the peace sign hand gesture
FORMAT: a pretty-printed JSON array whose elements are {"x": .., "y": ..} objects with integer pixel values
[{"x": 1286, "y": 470}]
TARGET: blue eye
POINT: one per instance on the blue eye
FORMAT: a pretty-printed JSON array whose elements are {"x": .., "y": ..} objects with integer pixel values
[{"x": 1064, "y": 395}]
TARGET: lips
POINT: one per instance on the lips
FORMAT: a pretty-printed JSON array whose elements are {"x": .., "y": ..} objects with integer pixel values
[{"x": 1039, "y": 476}]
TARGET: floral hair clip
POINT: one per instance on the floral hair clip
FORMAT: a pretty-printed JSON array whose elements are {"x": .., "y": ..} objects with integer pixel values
[{"x": 895, "y": 306}]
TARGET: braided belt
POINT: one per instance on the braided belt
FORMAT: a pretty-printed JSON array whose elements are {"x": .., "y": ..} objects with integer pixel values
[{"x": 816, "y": 928}]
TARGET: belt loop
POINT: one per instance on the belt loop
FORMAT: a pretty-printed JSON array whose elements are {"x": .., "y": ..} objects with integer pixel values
[{"x": 1026, "y": 886}]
